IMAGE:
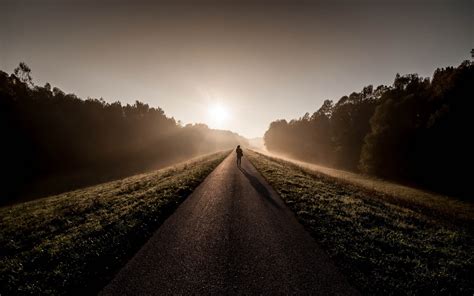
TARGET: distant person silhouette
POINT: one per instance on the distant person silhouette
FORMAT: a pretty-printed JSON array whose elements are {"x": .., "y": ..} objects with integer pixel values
[{"x": 239, "y": 155}]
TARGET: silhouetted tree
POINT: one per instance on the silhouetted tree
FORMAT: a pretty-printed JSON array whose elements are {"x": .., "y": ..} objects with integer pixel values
[
  {"x": 23, "y": 72},
  {"x": 53, "y": 141},
  {"x": 413, "y": 131}
]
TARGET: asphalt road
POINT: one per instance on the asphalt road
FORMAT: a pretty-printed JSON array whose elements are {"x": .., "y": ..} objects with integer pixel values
[{"x": 232, "y": 236}]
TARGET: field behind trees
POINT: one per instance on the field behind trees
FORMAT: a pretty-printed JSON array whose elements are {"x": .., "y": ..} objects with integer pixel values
[
  {"x": 416, "y": 131},
  {"x": 54, "y": 142}
]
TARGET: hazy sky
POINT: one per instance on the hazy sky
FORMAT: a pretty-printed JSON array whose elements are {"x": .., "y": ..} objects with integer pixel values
[{"x": 257, "y": 61}]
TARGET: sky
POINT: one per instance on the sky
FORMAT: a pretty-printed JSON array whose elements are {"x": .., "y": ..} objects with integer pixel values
[{"x": 234, "y": 65}]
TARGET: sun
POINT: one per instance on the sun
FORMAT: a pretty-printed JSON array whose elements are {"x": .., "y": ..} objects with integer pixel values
[{"x": 218, "y": 114}]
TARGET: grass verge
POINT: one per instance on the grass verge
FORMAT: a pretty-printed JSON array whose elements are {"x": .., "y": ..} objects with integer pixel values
[
  {"x": 383, "y": 247},
  {"x": 414, "y": 198},
  {"x": 73, "y": 243}
]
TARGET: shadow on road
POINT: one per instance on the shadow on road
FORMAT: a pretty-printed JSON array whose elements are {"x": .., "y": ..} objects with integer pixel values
[{"x": 259, "y": 187}]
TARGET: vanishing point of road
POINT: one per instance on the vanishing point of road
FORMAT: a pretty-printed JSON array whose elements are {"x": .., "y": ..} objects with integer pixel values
[{"x": 232, "y": 236}]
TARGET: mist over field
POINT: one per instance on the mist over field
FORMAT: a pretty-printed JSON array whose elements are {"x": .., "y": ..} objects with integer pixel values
[
  {"x": 57, "y": 142},
  {"x": 254, "y": 147},
  {"x": 412, "y": 131}
]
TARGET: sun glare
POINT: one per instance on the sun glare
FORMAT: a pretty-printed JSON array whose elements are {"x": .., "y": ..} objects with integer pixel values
[{"x": 218, "y": 114}]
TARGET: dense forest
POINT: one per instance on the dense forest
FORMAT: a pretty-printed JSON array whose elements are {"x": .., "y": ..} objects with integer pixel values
[
  {"x": 53, "y": 141},
  {"x": 415, "y": 131}
]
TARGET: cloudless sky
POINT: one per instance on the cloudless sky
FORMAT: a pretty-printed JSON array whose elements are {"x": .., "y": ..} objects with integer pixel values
[{"x": 257, "y": 61}]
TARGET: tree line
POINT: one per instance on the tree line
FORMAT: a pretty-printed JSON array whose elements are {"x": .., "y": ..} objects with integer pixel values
[
  {"x": 417, "y": 131},
  {"x": 53, "y": 141}
]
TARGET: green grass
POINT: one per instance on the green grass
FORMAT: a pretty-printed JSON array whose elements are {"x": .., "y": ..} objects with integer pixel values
[
  {"x": 383, "y": 245},
  {"x": 74, "y": 243}
]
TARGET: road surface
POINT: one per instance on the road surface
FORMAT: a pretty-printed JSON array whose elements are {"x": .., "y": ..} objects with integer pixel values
[{"x": 232, "y": 236}]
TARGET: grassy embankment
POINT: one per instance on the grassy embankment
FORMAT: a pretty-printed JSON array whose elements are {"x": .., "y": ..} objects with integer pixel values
[
  {"x": 73, "y": 243},
  {"x": 382, "y": 243}
]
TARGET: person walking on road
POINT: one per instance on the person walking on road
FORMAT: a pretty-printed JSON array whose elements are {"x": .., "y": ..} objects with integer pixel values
[{"x": 239, "y": 155}]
